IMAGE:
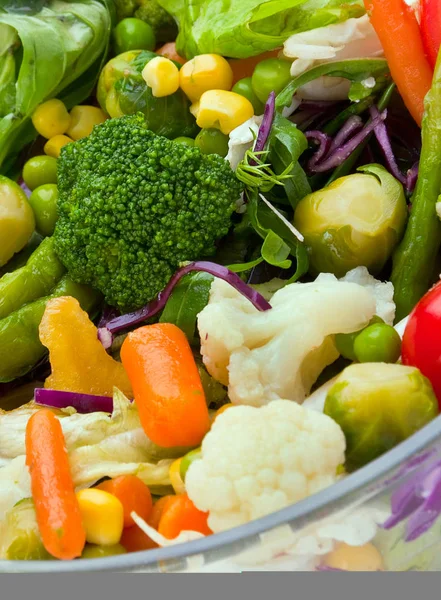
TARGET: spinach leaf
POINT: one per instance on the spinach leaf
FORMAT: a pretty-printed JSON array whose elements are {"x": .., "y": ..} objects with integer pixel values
[
  {"x": 356, "y": 71},
  {"x": 286, "y": 144},
  {"x": 189, "y": 297}
]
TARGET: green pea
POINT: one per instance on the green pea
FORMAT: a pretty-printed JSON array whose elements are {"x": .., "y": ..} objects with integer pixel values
[
  {"x": 43, "y": 201},
  {"x": 94, "y": 551},
  {"x": 133, "y": 34},
  {"x": 212, "y": 141},
  {"x": 40, "y": 170},
  {"x": 378, "y": 343},
  {"x": 244, "y": 88},
  {"x": 187, "y": 460},
  {"x": 270, "y": 75},
  {"x": 186, "y": 141},
  {"x": 345, "y": 341}
]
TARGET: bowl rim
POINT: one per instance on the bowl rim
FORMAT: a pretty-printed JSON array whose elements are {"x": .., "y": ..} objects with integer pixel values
[{"x": 305, "y": 510}]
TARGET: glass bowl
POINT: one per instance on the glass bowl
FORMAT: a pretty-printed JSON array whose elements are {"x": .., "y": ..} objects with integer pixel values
[{"x": 401, "y": 488}]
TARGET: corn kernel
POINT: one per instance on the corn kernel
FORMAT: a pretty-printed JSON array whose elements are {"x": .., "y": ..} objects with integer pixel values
[
  {"x": 162, "y": 75},
  {"x": 205, "y": 72},
  {"x": 83, "y": 120},
  {"x": 51, "y": 118},
  {"x": 355, "y": 558},
  {"x": 103, "y": 516},
  {"x": 174, "y": 473},
  {"x": 222, "y": 110},
  {"x": 54, "y": 145}
]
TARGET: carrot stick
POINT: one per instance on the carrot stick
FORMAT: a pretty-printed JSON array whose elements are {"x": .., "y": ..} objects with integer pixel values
[
  {"x": 169, "y": 51},
  {"x": 134, "y": 539},
  {"x": 56, "y": 506},
  {"x": 166, "y": 384},
  {"x": 180, "y": 514},
  {"x": 397, "y": 27}
]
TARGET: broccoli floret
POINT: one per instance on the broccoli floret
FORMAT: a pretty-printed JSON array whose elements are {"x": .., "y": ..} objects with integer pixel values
[
  {"x": 133, "y": 205},
  {"x": 163, "y": 24}
]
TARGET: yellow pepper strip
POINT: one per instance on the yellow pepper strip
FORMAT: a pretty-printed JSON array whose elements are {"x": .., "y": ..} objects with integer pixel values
[
  {"x": 83, "y": 120},
  {"x": 354, "y": 558},
  {"x": 54, "y": 145},
  {"x": 174, "y": 473},
  {"x": 103, "y": 516},
  {"x": 205, "y": 72},
  {"x": 222, "y": 110},
  {"x": 51, "y": 118},
  {"x": 162, "y": 75}
]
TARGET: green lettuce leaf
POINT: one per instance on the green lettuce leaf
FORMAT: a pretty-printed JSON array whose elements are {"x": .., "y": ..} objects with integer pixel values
[
  {"x": 43, "y": 55},
  {"x": 243, "y": 28},
  {"x": 99, "y": 445}
]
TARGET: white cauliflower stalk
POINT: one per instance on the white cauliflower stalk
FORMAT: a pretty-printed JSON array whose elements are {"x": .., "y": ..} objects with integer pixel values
[
  {"x": 354, "y": 38},
  {"x": 255, "y": 461},
  {"x": 279, "y": 353}
]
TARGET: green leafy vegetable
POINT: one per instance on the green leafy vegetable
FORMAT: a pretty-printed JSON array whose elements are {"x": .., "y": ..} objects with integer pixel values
[
  {"x": 189, "y": 297},
  {"x": 56, "y": 52},
  {"x": 355, "y": 70},
  {"x": 243, "y": 28}
]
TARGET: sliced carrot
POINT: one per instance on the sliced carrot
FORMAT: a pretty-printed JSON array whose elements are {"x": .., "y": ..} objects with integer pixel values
[
  {"x": 399, "y": 33},
  {"x": 133, "y": 494},
  {"x": 56, "y": 506},
  {"x": 244, "y": 67},
  {"x": 166, "y": 384},
  {"x": 180, "y": 514},
  {"x": 169, "y": 51},
  {"x": 134, "y": 539}
]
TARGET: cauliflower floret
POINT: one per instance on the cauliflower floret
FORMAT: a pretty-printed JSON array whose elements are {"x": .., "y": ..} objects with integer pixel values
[
  {"x": 279, "y": 353},
  {"x": 256, "y": 461}
]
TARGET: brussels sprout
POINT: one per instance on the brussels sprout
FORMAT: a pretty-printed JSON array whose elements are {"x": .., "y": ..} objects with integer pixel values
[
  {"x": 123, "y": 91},
  {"x": 17, "y": 221},
  {"x": 356, "y": 221},
  {"x": 379, "y": 405},
  {"x": 19, "y": 535}
]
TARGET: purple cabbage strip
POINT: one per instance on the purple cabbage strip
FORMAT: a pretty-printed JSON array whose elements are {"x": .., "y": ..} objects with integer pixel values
[
  {"x": 25, "y": 188},
  {"x": 83, "y": 403},
  {"x": 324, "y": 142},
  {"x": 267, "y": 123},
  {"x": 331, "y": 161},
  {"x": 105, "y": 333},
  {"x": 412, "y": 176},
  {"x": 383, "y": 140},
  {"x": 419, "y": 501},
  {"x": 352, "y": 125},
  {"x": 426, "y": 515}
]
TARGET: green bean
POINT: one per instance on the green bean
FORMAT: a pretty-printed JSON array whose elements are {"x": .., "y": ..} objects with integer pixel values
[
  {"x": 36, "y": 279},
  {"x": 20, "y": 346},
  {"x": 415, "y": 257}
]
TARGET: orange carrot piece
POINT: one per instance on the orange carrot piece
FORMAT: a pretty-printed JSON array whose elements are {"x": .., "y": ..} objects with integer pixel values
[
  {"x": 169, "y": 51},
  {"x": 134, "y": 539},
  {"x": 56, "y": 506},
  {"x": 166, "y": 385},
  {"x": 244, "y": 67},
  {"x": 399, "y": 33},
  {"x": 180, "y": 514},
  {"x": 133, "y": 494}
]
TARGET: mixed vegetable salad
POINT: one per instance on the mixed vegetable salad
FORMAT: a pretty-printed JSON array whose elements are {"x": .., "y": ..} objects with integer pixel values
[{"x": 220, "y": 228}]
